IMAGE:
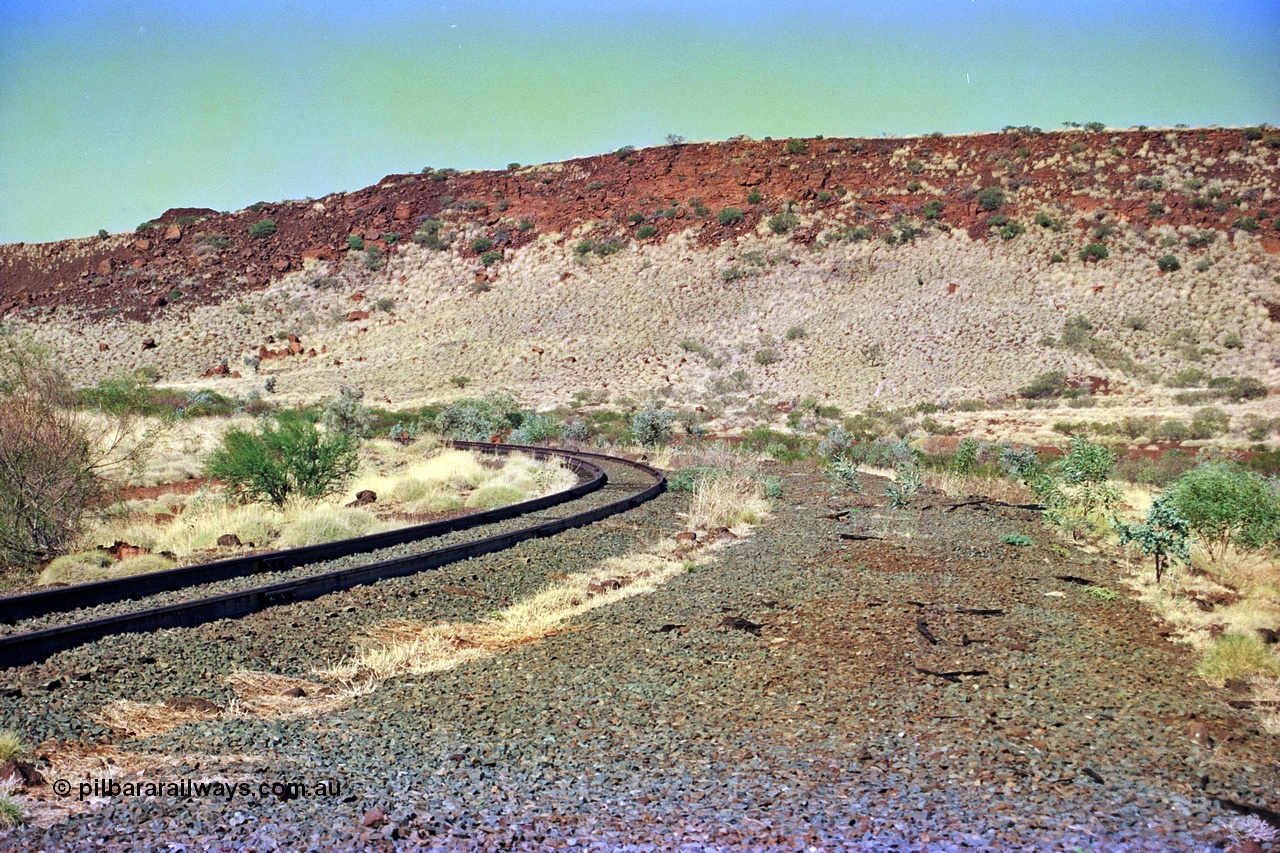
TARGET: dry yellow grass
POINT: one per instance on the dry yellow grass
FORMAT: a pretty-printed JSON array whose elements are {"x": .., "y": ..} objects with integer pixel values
[
  {"x": 960, "y": 486},
  {"x": 404, "y": 648},
  {"x": 148, "y": 719},
  {"x": 732, "y": 500}
]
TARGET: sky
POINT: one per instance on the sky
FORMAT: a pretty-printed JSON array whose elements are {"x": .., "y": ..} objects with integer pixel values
[{"x": 113, "y": 111}]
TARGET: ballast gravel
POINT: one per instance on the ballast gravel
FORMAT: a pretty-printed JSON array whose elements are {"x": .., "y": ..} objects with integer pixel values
[{"x": 933, "y": 689}]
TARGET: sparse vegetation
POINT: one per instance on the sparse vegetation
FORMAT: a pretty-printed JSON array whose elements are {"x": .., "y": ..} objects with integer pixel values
[{"x": 990, "y": 198}]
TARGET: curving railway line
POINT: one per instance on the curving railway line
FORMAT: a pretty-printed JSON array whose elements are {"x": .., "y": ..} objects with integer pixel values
[{"x": 38, "y": 624}]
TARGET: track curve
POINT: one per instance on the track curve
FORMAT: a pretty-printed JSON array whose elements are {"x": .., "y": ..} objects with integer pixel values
[{"x": 21, "y": 649}]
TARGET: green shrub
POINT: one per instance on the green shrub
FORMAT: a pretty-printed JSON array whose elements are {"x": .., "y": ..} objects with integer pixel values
[
  {"x": 1079, "y": 492},
  {"x": 1094, "y": 252},
  {"x": 1155, "y": 208},
  {"x": 781, "y": 223},
  {"x": 536, "y": 429},
  {"x": 754, "y": 196},
  {"x": 1209, "y": 423},
  {"x": 796, "y": 333},
  {"x": 1168, "y": 264},
  {"x": 430, "y": 235},
  {"x": 651, "y": 426},
  {"x": 990, "y": 198},
  {"x": 1225, "y": 504},
  {"x": 283, "y": 460},
  {"x": 355, "y": 242},
  {"x": 481, "y": 244},
  {"x": 767, "y": 356},
  {"x": 729, "y": 216},
  {"x": 1013, "y": 229},
  {"x": 373, "y": 259},
  {"x": 490, "y": 257},
  {"x": 933, "y": 209},
  {"x": 966, "y": 456},
  {"x": 1246, "y": 223},
  {"x": 1019, "y": 539},
  {"x": 644, "y": 232},
  {"x": 1049, "y": 384},
  {"x": 472, "y": 419},
  {"x": 1162, "y": 534},
  {"x": 262, "y": 228},
  {"x": 797, "y": 146},
  {"x": 346, "y": 414},
  {"x": 1232, "y": 340}
]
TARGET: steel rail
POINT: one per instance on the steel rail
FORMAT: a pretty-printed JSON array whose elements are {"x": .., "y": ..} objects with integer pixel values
[
  {"x": 32, "y": 647},
  {"x": 15, "y": 608}
]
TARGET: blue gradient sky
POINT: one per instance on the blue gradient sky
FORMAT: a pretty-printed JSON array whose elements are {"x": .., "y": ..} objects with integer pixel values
[{"x": 113, "y": 111}]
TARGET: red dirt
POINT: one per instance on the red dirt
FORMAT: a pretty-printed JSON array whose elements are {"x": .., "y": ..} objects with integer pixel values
[{"x": 136, "y": 278}]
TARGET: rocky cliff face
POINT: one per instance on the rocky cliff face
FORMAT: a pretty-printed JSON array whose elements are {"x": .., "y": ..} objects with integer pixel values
[{"x": 934, "y": 264}]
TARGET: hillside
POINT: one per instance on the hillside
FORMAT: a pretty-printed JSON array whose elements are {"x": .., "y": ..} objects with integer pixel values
[{"x": 899, "y": 270}]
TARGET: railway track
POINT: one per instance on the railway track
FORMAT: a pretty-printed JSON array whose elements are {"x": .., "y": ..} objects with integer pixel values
[{"x": 42, "y": 623}]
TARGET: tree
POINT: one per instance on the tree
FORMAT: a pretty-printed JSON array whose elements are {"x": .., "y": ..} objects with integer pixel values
[
  {"x": 283, "y": 460},
  {"x": 1225, "y": 504},
  {"x": 52, "y": 456},
  {"x": 1163, "y": 534}
]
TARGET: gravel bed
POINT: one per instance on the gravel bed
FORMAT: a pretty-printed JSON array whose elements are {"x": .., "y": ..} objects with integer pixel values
[
  {"x": 659, "y": 723},
  {"x": 611, "y": 492}
]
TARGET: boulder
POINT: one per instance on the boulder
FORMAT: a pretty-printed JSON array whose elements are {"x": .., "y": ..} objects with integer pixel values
[
  {"x": 229, "y": 540},
  {"x": 173, "y": 233}
]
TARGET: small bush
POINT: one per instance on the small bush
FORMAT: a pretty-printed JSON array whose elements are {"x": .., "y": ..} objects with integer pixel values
[
  {"x": 782, "y": 223},
  {"x": 729, "y": 216},
  {"x": 933, "y": 209},
  {"x": 990, "y": 198},
  {"x": 287, "y": 459},
  {"x": 795, "y": 333},
  {"x": 1168, "y": 264},
  {"x": 262, "y": 229},
  {"x": 1246, "y": 223},
  {"x": 373, "y": 259},
  {"x": 1049, "y": 384},
  {"x": 429, "y": 235},
  {"x": 481, "y": 244},
  {"x": 797, "y": 146},
  {"x": 1018, "y": 539},
  {"x": 355, "y": 242},
  {"x": 490, "y": 257},
  {"x": 754, "y": 196},
  {"x": 1094, "y": 252},
  {"x": 1013, "y": 229},
  {"x": 651, "y": 426},
  {"x": 644, "y": 232},
  {"x": 1232, "y": 340},
  {"x": 346, "y": 414},
  {"x": 767, "y": 356}
]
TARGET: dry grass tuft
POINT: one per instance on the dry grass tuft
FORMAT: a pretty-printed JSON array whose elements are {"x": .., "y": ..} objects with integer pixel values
[
  {"x": 148, "y": 719},
  {"x": 12, "y": 746},
  {"x": 734, "y": 500},
  {"x": 266, "y": 694},
  {"x": 401, "y": 648},
  {"x": 1238, "y": 657},
  {"x": 963, "y": 486}
]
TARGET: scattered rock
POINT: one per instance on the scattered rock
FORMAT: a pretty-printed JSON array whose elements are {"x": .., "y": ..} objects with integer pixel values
[
  {"x": 102, "y": 347},
  {"x": 737, "y": 623},
  {"x": 403, "y": 212},
  {"x": 364, "y": 497},
  {"x": 687, "y": 536},
  {"x": 355, "y": 316},
  {"x": 1199, "y": 732},
  {"x": 148, "y": 343},
  {"x": 295, "y": 693},
  {"x": 173, "y": 233},
  {"x": 20, "y": 773},
  {"x": 373, "y": 817}
]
